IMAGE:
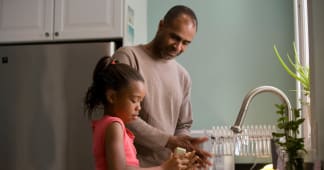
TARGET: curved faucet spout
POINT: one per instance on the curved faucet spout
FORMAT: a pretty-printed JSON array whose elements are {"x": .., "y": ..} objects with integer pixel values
[{"x": 236, "y": 128}]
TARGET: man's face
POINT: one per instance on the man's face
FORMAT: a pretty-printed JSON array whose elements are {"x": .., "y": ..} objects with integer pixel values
[{"x": 173, "y": 38}]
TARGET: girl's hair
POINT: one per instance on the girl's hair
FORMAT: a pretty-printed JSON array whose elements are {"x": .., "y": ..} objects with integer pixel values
[{"x": 108, "y": 74}]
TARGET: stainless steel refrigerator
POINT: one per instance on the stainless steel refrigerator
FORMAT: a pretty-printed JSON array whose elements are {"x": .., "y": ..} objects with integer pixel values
[{"x": 42, "y": 123}]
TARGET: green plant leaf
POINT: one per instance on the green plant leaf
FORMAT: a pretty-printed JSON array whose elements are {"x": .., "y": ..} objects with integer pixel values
[
  {"x": 291, "y": 73},
  {"x": 292, "y": 144},
  {"x": 300, "y": 73}
]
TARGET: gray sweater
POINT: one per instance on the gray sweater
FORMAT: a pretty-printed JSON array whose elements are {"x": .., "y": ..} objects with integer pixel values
[{"x": 166, "y": 109}]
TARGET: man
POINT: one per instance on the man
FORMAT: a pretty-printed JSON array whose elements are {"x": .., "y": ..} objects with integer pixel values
[{"x": 165, "y": 117}]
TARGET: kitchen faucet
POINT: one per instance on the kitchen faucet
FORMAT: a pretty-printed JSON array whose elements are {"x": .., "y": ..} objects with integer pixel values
[{"x": 236, "y": 128}]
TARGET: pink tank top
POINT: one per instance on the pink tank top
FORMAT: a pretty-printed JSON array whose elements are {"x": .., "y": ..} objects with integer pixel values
[{"x": 99, "y": 128}]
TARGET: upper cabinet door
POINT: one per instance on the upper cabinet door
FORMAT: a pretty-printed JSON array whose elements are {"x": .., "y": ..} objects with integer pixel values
[
  {"x": 85, "y": 19},
  {"x": 26, "y": 20},
  {"x": 60, "y": 20}
]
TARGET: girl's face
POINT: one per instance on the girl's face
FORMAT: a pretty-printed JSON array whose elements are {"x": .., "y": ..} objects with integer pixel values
[{"x": 126, "y": 103}]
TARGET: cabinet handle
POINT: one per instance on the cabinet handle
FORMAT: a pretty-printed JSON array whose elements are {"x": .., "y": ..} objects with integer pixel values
[
  {"x": 56, "y": 34},
  {"x": 47, "y": 34}
]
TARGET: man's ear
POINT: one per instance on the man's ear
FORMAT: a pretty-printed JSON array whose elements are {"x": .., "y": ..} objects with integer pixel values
[
  {"x": 111, "y": 95},
  {"x": 161, "y": 24}
]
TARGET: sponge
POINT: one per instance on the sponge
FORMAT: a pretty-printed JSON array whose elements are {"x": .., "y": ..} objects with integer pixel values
[{"x": 179, "y": 151}]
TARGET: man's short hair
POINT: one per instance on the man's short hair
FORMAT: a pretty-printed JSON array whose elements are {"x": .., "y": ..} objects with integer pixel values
[{"x": 178, "y": 10}]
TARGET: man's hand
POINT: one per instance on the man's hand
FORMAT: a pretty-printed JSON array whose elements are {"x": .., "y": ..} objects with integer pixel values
[{"x": 191, "y": 144}]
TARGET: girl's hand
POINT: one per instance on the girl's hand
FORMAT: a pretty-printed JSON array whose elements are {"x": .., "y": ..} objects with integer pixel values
[
  {"x": 193, "y": 160},
  {"x": 176, "y": 162},
  {"x": 192, "y": 144}
]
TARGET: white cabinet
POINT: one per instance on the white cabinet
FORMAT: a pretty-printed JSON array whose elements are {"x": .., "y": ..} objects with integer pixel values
[
  {"x": 25, "y": 20},
  {"x": 76, "y": 19},
  {"x": 60, "y": 20}
]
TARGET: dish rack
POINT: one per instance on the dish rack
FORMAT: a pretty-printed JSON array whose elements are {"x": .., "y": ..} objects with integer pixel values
[{"x": 255, "y": 140}]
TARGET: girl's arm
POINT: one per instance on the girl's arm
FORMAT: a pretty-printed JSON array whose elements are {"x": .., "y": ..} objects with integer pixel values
[
  {"x": 115, "y": 154},
  {"x": 114, "y": 145}
]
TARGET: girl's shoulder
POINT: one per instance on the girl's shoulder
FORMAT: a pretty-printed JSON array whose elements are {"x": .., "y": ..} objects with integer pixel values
[{"x": 106, "y": 121}]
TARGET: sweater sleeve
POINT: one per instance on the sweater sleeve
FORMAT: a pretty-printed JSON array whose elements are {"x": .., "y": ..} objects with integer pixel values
[
  {"x": 147, "y": 135},
  {"x": 185, "y": 118}
]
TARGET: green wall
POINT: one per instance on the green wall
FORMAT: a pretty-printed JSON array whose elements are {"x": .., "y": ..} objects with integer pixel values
[{"x": 231, "y": 54}]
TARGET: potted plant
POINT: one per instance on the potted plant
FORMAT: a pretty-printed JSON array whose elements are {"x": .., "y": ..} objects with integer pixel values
[
  {"x": 287, "y": 138},
  {"x": 292, "y": 145}
]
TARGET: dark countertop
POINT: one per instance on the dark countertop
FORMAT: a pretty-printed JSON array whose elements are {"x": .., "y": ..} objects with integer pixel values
[{"x": 248, "y": 166}]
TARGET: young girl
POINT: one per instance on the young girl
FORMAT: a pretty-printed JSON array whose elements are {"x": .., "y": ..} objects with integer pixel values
[{"x": 120, "y": 90}]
